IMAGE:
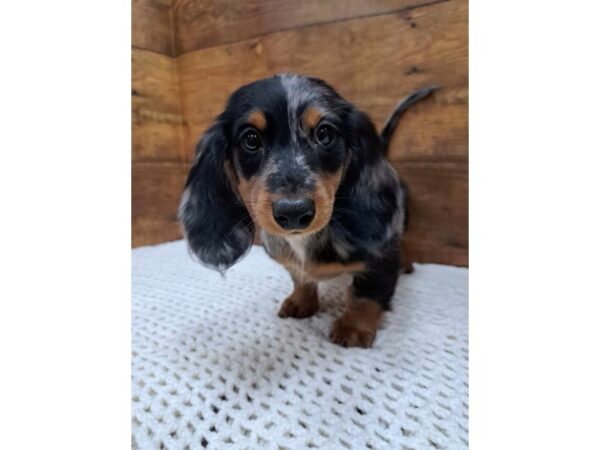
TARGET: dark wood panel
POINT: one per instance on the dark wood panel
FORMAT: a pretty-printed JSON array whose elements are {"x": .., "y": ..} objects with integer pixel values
[
  {"x": 207, "y": 23},
  {"x": 157, "y": 124},
  {"x": 151, "y": 27},
  {"x": 436, "y": 129},
  {"x": 373, "y": 62},
  {"x": 438, "y": 230},
  {"x": 156, "y": 190}
]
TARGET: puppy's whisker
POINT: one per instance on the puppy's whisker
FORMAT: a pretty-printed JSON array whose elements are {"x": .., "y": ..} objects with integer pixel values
[
  {"x": 339, "y": 209},
  {"x": 242, "y": 221},
  {"x": 339, "y": 224}
]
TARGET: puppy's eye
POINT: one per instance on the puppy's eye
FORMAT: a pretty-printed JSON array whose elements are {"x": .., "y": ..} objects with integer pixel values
[
  {"x": 251, "y": 141},
  {"x": 325, "y": 134}
]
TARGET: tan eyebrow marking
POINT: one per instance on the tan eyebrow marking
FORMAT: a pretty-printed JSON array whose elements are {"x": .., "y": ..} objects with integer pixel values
[
  {"x": 311, "y": 117},
  {"x": 257, "y": 119}
]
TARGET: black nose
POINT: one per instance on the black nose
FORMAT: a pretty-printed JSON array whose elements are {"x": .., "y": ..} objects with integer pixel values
[{"x": 294, "y": 214}]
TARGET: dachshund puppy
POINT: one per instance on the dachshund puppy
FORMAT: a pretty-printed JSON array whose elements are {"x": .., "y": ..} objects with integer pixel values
[{"x": 290, "y": 156}]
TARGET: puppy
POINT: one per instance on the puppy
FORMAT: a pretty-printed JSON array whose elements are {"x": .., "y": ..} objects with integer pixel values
[{"x": 290, "y": 156}]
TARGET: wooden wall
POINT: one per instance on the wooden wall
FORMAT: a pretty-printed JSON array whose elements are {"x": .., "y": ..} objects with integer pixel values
[{"x": 189, "y": 55}]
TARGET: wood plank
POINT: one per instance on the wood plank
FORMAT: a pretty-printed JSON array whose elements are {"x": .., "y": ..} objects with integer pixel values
[
  {"x": 372, "y": 61},
  {"x": 156, "y": 190},
  {"x": 438, "y": 230},
  {"x": 436, "y": 129},
  {"x": 206, "y": 23},
  {"x": 157, "y": 124},
  {"x": 151, "y": 27}
]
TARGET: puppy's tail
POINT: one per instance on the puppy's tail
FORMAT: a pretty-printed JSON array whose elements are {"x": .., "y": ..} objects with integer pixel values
[{"x": 392, "y": 121}]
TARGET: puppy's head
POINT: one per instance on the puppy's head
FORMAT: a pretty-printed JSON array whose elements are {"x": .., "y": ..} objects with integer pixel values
[{"x": 274, "y": 158}]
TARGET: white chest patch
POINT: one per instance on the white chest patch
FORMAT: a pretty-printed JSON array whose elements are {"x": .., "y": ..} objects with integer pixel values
[{"x": 298, "y": 245}]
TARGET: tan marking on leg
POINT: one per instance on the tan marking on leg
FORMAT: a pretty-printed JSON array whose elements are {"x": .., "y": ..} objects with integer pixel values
[
  {"x": 257, "y": 119},
  {"x": 294, "y": 267},
  {"x": 330, "y": 270},
  {"x": 302, "y": 302},
  {"x": 313, "y": 271},
  {"x": 357, "y": 326}
]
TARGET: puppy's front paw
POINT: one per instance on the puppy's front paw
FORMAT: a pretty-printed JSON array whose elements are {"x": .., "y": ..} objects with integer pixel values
[
  {"x": 350, "y": 333},
  {"x": 297, "y": 307}
]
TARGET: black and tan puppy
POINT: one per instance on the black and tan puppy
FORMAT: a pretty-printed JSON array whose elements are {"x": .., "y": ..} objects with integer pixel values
[{"x": 293, "y": 158}]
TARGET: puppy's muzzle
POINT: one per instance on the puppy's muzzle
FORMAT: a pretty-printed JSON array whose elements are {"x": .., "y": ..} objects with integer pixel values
[{"x": 293, "y": 214}]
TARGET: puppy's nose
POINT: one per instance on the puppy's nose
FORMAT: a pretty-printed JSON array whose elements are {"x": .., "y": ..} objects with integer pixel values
[{"x": 294, "y": 214}]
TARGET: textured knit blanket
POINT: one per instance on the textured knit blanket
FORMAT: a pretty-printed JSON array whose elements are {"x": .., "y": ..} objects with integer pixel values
[{"x": 214, "y": 367}]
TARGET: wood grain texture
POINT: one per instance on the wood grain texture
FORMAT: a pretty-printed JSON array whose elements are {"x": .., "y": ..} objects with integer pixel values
[
  {"x": 379, "y": 53},
  {"x": 156, "y": 190},
  {"x": 151, "y": 26},
  {"x": 373, "y": 62},
  {"x": 157, "y": 124},
  {"x": 434, "y": 130},
  {"x": 438, "y": 230},
  {"x": 207, "y": 23}
]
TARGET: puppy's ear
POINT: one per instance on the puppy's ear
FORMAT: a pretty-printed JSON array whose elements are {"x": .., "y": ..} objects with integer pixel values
[
  {"x": 370, "y": 188},
  {"x": 364, "y": 142},
  {"x": 217, "y": 226}
]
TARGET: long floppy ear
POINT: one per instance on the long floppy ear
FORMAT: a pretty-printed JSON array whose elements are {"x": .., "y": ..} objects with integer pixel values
[
  {"x": 216, "y": 224},
  {"x": 369, "y": 199}
]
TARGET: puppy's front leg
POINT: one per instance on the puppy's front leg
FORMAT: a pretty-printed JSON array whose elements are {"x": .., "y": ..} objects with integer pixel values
[
  {"x": 366, "y": 299},
  {"x": 357, "y": 326},
  {"x": 303, "y": 302}
]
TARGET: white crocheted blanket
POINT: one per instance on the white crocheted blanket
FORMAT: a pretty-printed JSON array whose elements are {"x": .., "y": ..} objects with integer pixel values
[{"x": 214, "y": 367}]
